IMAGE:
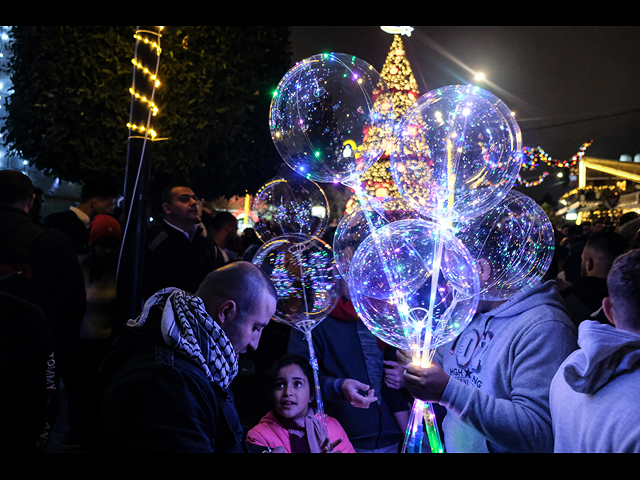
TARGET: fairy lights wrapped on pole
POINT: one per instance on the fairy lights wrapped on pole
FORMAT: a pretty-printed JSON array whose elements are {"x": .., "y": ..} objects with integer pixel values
[{"x": 145, "y": 83}]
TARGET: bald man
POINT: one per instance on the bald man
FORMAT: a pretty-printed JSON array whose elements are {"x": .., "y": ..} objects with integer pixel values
[{"x": 170, "y": 371}]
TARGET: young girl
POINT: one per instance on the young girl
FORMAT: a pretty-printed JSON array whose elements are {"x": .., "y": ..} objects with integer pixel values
[{"x": 292, "y": 423}]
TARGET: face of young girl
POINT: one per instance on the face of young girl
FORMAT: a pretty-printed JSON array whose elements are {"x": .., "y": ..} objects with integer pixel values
[{"x": 291, "y": 395}]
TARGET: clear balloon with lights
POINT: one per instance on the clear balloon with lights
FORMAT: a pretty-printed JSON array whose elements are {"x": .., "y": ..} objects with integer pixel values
[
  {"x": 514, "y": 244},
  {"x": 459, "y": 152},
  {"x": 302, "y": 270},
  {"x": 290, "y": 204},
  {"x": 414, "y": 285},
  {"x": 323, "y": 121},
  {"x": 356, "y": 226}
]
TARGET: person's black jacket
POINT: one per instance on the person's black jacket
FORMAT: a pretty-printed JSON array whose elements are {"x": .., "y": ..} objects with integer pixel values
[
  {"x": 68, "y": 223},
  {"x": 29, "y": 403},
  {"x": 58, "y": 282},
  {"x": 157, "y": 401},
  {"x": 584, "y": 298},
  {"x": 171, "y": 260}
]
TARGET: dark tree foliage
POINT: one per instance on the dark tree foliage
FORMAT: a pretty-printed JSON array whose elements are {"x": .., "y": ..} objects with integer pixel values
[{"x": 68, "y": 113}]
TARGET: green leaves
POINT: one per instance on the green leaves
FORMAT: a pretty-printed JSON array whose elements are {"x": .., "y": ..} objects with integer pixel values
[{"x": 71, "y": 103}]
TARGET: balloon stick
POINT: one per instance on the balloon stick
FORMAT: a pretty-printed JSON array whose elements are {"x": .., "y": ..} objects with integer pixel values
[
  {"x": 422, "y": 419},
  {"x": 307, "y": 328}
]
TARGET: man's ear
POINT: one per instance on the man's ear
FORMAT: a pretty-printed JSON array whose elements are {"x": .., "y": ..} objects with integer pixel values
[
  {"x": 589, "y": 263},
  {"x": 227, "y": 312},
  {"x": 166, "y": 208},
  {"x": 607, "y": 308},
  {"x": 30, "y": 203},
  {"x": 484, "y": 271}
]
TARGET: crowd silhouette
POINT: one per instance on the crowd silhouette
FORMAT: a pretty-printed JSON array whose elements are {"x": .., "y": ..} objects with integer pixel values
[{"x": 202, "y": 369}]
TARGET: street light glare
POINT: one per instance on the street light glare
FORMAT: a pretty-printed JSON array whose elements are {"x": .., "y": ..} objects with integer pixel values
[{"x": 479, "y": 76}]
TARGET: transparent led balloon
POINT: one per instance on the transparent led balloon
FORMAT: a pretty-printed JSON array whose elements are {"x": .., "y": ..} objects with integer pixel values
[
  {"x": 414, "y": 285},
  {"x": 356, "y": 226},
  {"x": 290, "y": 204},
  {"x": 513, "y": 244},
  {"x": 302, "y": 270},
  {"x": 328, "y": 120},
  {"x": 459, "y": 151}
]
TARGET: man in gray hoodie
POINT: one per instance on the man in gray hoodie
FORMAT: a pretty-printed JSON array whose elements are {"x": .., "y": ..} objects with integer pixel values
[
  {"x": 494, "y": 378},
  {"x": 594, "y": 395}
]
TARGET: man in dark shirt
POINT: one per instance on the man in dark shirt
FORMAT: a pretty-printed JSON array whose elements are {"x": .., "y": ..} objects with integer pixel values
[
  {"x": 177, "y": 253},
  {"x": 168, "y": 375},
  {"x": 584, "y": 297}
]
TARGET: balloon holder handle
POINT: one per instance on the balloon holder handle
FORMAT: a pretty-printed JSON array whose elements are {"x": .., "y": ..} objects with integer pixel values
[{"x": 422, "y": 435}]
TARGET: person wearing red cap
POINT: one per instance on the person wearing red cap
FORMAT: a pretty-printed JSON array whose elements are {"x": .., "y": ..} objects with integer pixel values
[
  {"x": 97, "y": 328},
  {"x": 104, "y": 226},
  {"x": 96, "y": 198}
]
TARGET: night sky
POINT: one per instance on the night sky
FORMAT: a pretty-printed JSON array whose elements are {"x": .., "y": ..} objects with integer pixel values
[{"x": 567, "y": 85}]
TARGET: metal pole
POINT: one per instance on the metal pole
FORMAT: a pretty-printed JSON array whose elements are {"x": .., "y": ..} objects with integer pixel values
[{"x": 137, "y": 177}]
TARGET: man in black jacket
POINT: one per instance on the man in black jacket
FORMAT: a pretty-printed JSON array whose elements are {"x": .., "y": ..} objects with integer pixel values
[
  {"x": 177, "y": 253},
  {"x": 45, "y": 271},
  {"x": 168, "y": 376}
]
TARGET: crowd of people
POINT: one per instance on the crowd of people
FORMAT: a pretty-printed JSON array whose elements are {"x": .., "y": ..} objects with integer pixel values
[{"x": 204, "y": 369}]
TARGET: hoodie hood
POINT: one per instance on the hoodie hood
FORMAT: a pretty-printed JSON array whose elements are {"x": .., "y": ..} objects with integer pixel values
[
  {"x": 537, "y": 295},
  {"x": 605, "y": 352}
]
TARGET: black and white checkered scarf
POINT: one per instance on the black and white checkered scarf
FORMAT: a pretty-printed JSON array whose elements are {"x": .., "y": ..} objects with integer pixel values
[{"x": 189, "y": 329}]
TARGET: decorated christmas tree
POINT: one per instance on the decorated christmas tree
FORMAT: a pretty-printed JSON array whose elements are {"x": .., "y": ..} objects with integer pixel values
[{"x": 377, "y": 181}]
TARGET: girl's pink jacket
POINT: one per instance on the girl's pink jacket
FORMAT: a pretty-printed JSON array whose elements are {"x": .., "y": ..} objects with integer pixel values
[{"x": 270, "y": 433}]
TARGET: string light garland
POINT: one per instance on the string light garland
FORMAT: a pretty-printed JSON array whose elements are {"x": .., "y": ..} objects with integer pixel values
[
  {"x": 142, "y": 98},
  {"x": 146, "y": 71},
  {"x": 142, "y": 129},
  {"x": 535, "y": 156},
  {"x": 152, "y": 44}
]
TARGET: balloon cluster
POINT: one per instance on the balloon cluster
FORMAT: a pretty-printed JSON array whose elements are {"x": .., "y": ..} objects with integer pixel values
[{"x": 418, "y": 265}]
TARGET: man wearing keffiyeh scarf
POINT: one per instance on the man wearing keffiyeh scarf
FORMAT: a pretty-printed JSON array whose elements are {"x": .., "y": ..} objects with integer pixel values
[
  {"x": 189, "y": 329},
  {"x": 169, "y": 373}
]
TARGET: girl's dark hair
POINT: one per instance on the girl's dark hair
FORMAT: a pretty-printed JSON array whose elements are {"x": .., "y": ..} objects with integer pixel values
[{"x": 304, "y": 365}]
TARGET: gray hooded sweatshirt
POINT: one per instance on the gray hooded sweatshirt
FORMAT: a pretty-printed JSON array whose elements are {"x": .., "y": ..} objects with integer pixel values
[
  {"x": 595, "y": 396},
  {"x": 501, "y": 367}
]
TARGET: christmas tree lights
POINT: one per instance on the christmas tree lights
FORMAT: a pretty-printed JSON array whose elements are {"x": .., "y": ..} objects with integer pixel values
[{"x": 377, "y": 181}]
